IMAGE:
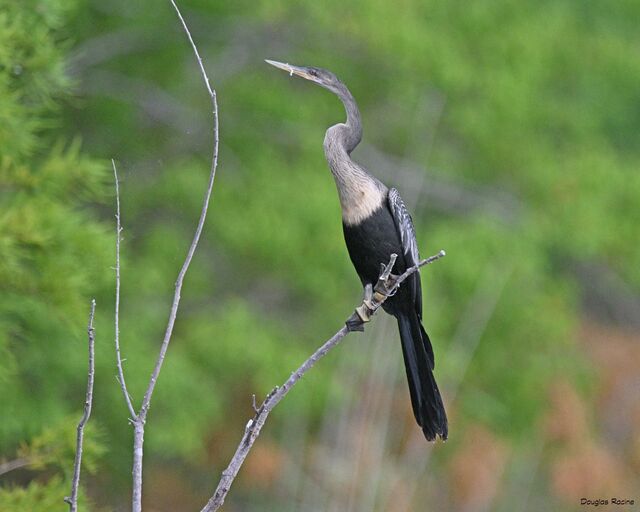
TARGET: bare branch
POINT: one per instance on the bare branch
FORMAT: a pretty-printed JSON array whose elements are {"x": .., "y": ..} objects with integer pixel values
[
  {"x": 415, "y": 268},
  {"x": 123, "y": 384},
  {"x": 139, "y": 420},
  {"x": 6, "y": 467},
  {"x": 196, "y": 238},
  {"x": 73, "y": 499},
  {"x": 212, "y": 92},
  {"x": 254, "y": 426}
]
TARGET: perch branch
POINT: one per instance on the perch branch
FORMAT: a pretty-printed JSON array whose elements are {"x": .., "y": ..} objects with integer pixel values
[
  {"x": 73, "y": 499},
  {"x": 123, "y": 385},
  {"x": 254, "y": 426},
  {"x": 140, "y": 418}
]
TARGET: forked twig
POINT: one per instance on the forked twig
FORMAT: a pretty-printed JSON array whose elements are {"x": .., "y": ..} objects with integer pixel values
[{"x": 140, "y": 418}]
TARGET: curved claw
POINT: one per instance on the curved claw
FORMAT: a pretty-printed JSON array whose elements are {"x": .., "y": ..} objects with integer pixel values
[{"x": 384, "y": 287}]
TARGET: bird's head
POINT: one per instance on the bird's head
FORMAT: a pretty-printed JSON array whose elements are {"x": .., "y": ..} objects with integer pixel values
[{"x": 319, "y": 76}]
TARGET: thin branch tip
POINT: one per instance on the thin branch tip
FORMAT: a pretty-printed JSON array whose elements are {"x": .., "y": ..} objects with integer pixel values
[
  {"x": 72, "y": 500},
  {"x": 120, "y": 376}
]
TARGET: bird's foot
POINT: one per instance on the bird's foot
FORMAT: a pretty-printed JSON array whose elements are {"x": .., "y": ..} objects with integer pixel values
[
  {"x": 374, "y": 296},
  {"x": 367, "y": 299},
  {"x": 359, "y": 317},
  {"x": 355, "y": 322},
  {"x": 385, "y": 286}
]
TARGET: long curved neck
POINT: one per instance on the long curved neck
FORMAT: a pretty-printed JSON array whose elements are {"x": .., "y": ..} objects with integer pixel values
[
  {"x": 360, "y": 193},
  {"x": 351, "y": 135},
  {"x": 342, "y": 138}
]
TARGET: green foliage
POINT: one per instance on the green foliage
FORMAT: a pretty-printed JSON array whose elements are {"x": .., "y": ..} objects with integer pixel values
[
  {"x": 38, "y": 496},
  {"x": 52, "y": 254},
  {"x": 31, "y": 72},
  {"x": 53, "y": 450},
  {"x": 530, "y": 108},
  {"x": 535, "y": 110}
]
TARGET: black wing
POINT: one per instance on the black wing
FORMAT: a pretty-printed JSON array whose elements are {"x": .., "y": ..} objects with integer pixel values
[{"x": 404, "y": 225}]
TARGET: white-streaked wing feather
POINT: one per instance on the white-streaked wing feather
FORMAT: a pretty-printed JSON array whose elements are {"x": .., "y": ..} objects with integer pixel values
[{"x": 405, "y": 227}]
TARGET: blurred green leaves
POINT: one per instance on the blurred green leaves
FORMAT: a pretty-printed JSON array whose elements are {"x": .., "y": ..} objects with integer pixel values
[
  {"x": 53, "y": 255},
  {"x": 52, "y": 452},
  {"x": 55, "y": 448}
]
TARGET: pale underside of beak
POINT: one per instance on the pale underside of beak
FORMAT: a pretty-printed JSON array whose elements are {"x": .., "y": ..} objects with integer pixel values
[{"x": 292, "y": 70}]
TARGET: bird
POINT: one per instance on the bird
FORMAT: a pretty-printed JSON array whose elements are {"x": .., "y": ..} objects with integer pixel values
[{"x": 377, "y": 224}]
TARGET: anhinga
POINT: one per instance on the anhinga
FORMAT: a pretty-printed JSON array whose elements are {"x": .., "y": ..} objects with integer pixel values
[{"x": 377, "y": 224}]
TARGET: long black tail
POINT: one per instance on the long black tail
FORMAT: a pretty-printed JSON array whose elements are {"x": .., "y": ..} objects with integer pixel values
[{"x": 418, "y": 361}]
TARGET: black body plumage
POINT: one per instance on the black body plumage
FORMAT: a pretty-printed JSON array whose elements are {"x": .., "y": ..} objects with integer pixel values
[
  {"x": 371, "y": 243},
  {"x": 376, "y": 224}
]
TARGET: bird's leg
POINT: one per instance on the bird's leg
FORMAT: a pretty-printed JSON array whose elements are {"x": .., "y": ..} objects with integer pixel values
[
  {"x": 363, "y": 312},
  {"x": 368, "y": 295},
  {"x": 374, "y": 296},
  {"x": 367, "y": 308}
]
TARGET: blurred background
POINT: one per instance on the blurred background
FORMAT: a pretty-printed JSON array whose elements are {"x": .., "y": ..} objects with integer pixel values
[{"x": 511, "y": 129}]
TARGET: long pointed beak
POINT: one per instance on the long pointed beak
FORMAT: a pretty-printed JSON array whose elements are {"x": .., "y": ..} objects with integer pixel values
[{"x": 292, "y": 70}]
